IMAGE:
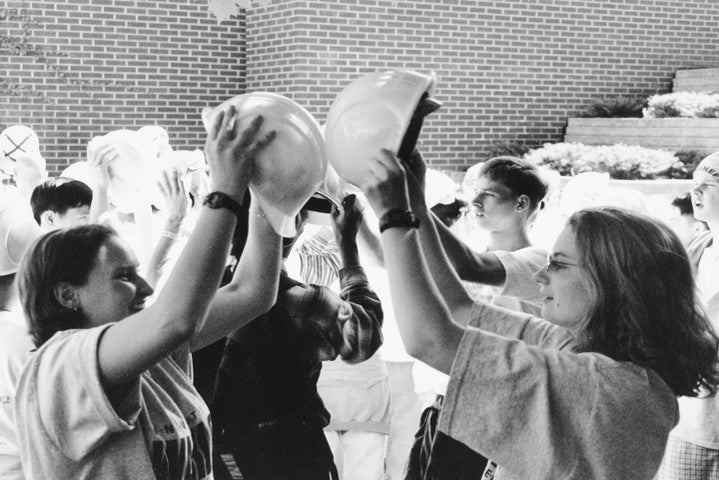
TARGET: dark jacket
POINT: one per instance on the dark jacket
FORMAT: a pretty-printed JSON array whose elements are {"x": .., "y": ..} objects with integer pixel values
[{"x": 267, "y": 380}]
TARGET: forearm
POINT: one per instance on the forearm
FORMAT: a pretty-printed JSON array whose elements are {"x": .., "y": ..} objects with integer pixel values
[
  {"x": 370, "y": 243},
  {"x": 196, "y": 276},
  {"x": 158, "y": 260},
  {"x": 362, "y": 332},
  {"x": 259, "y": 267},
  {"x": 424, "y": 321},
  {"x": 444, "y": 275},
  {"x": 348, "y": 252},
  {"x": 471, "y": 266},
  {"x": 252, "y": 290},
  {"x": 99, "y": 204}
]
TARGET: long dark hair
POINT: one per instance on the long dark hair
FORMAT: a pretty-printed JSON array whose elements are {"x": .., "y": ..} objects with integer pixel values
[
  {"x": 646, "y": 311},
  {"x": 58, "y": 256}
]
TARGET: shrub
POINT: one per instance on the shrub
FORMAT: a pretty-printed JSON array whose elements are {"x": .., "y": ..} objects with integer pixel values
[
  {"x": 628, "y": 162},
  {"x": 688, "y": 161},
  {"x": 683, "y": 104},
  {"x": 616, "y": 107},
  {"x": 507, "y": 149}
]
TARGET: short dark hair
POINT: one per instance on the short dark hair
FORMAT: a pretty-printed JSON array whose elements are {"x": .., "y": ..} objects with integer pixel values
[
  {"x": 518, "y": 175},
  {"x": 58, "y": 256},
  {"x": 59, "y": 195},
  {"x": 684, "y": 204}
]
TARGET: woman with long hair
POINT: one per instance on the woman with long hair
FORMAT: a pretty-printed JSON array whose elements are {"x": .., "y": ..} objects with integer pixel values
[
  {"x": 589, "y": 392},
  {"x": 108, "y": 393}
]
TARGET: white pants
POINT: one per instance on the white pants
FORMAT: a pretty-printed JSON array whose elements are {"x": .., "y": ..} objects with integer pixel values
[
  {"x": 406, "y": 409},
  {"x": 358, "y": 455}
]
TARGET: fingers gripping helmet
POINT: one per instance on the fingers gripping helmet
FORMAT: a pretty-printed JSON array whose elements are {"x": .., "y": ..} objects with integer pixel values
[
  {"x": 291, "y": 168},
  {"x": 133, "y": 173},
  {"x": 379, "y": 110}
]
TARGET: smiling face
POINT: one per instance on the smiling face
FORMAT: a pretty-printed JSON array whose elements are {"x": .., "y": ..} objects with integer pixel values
[
  {"x": 494, "y": 205},
  {"x": 564, "y": 285},
  {"x": 114, "y": 290},
  {"x": 705, "y": 195}
]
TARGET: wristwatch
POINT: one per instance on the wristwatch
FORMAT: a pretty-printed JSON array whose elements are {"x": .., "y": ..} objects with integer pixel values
[
  {"x": 398, "y": 218},
  {"x": 222, "y": 200}
]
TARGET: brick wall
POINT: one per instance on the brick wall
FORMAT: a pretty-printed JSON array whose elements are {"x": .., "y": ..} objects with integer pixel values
[
  {"x": 72, "y": 69},
  {"x": 508, "y": 71}
]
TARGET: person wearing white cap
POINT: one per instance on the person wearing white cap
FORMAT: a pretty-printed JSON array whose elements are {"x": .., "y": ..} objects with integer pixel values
[
  {"x": 693, "y": 448},
  {"x": 108, "y": 393},
  {"x": 17, "y": 231}
]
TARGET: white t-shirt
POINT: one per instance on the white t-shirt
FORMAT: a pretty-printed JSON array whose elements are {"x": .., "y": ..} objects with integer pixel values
[
  {"x": 67, "y": 427},
  {"x": 699, "y": 417},
  {"x": 15, "y": 347},
  {"x": 521, "y": 397},
  {"x": 520, "y": 293}
]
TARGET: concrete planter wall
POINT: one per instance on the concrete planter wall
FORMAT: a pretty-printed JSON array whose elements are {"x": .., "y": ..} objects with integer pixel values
[
  {"x": 699, "y": 80},
  {"x": 671, "y": 134},
  {"x": 666, "y": 188}
]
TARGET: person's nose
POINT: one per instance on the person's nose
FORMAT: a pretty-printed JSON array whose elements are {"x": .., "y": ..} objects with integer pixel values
[
  {"x": 144, "y": 289},
  {"x": 541, "y": 276}
]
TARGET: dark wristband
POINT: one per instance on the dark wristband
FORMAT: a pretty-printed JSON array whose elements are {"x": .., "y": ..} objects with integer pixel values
[
  {"x": 398, "y": 218},
  {"x": 222, "y": 200}
]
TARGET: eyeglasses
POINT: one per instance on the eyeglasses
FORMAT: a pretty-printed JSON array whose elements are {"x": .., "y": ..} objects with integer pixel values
[{"x": 554, "y": 265}]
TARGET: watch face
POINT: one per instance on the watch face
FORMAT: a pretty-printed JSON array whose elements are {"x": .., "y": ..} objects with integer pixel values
[{"x": 215, "y": 200}]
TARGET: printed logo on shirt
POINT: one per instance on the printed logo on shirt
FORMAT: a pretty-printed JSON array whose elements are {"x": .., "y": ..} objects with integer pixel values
[{"x": 182, "y": 455}]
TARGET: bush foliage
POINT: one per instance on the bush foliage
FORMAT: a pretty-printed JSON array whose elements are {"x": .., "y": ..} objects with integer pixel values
[
  {"x": 626, "y": 162},
  {"x": 683, "y": 104},
  {"x": 616, "y": 107}
]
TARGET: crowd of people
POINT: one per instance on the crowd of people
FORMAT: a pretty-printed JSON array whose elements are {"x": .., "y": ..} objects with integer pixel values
[{"x": 157, "y": 329}]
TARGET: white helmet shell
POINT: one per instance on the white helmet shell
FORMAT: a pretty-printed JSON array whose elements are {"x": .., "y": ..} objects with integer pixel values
[
  {"x": 80, "y": 171},
  {"x": 292, "y": 167},
  {"x": 372, "y": 113},
  {"x": 17, "y": 141},
  {"x": 134, "y": 173}
]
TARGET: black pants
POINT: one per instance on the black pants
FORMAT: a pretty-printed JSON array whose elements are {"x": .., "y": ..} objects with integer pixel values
[
  {"x": 285, "y": 451},
  {"x": 436, "y": 456}
]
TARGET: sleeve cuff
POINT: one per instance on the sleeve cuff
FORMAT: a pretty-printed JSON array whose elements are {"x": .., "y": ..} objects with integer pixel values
[{"x": 352, "y": 276}]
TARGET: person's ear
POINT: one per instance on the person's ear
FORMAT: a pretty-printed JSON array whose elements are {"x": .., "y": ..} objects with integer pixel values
[
  {"x": 522, "y": 203},
  {"x": 66, "y": 295},
  {"x": 47, "y": 218}
]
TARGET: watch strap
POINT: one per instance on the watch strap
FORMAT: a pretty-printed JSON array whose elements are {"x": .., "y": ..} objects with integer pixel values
[
  {"x": 398, "y": 218},
  {"x": 222, "y": 200}
]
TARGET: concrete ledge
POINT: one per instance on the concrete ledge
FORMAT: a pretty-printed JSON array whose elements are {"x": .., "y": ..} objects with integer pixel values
[
  {"x": 698, "y": 80},
  {"x": 671, "y": 134}
]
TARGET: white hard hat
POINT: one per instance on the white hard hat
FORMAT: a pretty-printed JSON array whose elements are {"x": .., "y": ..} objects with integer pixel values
[
  {"x": 18, "y": 229},
  {"x": 292, "y": 167},
  {"x": 583, "y": 191},
  {"x": 79, "y": 171},
  {"x": 158, "y": 136},
  {"x": 30, "y": 171},
  {"x": 17, "y": 141},
  {"x": 134, "y": 173},
  {"x": 376, "y": 111},
  {"x": 439, "y": 188}
]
